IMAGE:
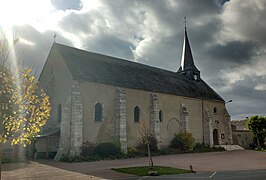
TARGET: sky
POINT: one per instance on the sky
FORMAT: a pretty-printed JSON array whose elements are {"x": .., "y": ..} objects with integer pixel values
[{"x": 227, "y": 38}]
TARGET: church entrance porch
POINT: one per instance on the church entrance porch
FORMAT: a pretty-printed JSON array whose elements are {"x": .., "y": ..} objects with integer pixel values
[{"x": 215, "y": 137}]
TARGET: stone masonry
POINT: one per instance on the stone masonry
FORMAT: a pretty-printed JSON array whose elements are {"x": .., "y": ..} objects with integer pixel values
[
  {"x": 121, "y": 118},
  {"x": 184, "y": 118},
  {"x": 64, "y": 142},
  {"x": 76, "y": 120},
  {"x": 154, "y": 116},
  {"x": 71, "y": 125},
  {"x": 208, "y": 139},
  {"x": 229, "y": 129}
]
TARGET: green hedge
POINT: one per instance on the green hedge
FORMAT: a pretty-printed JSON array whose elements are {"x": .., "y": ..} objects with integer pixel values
[{"x": 107, "y": 149}]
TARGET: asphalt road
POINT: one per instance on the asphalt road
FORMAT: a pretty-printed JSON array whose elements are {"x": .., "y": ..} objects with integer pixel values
[
  {"x": 227, "y": 175},
  {"x": 216, "y": 165}
]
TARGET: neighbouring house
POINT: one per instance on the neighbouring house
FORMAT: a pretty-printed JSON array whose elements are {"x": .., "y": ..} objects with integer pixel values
[
  {"x": 98, "y": 98},
  {"x": 241, "y": 134}
]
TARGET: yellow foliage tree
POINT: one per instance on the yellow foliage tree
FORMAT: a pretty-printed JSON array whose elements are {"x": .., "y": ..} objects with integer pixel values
[{"x": 24, "y": 107}]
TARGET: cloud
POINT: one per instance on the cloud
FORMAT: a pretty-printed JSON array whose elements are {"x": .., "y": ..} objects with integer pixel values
[
  {"x": 33, "y": 55},
  {"x": 67, "y": 4},
  {"x": 234, "y": 52},
  {"x": 227, "y": 39},
  {"x": 222, "y": 2},
  {"x": 110, "y": 45},
  {"x": 260, "y": 87}
]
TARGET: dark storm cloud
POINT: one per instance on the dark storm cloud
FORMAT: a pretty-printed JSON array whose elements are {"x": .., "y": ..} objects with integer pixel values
[
  {"x": 222, "y": 2},
  {"x": 168, "y": 49},
  {"x": 203, "y": 34},
  {"x": 248, "y": 20},
  {"x": 234, "y": 52},
  {"x": 169, "y": 15},
  {"x": 245, "y": 98},
  {"x": 110, "y": 45},
  {"x": 67, "y": 4}
]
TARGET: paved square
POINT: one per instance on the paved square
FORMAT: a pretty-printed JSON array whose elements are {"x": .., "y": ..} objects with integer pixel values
[{"x": 201, "y": 162}]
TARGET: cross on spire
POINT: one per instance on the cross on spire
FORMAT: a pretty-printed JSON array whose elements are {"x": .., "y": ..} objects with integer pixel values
[{"x": 185, "y": 21}]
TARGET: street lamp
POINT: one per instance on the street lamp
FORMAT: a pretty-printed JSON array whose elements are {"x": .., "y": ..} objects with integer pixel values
[{"x": 228, "y": 101}]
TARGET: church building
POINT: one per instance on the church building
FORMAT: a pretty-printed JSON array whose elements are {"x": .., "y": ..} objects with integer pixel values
[{"x": 98, "y": 98}]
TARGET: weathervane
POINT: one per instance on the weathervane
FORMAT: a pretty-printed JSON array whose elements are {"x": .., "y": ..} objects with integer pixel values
[{"x": 185, "y": 21}]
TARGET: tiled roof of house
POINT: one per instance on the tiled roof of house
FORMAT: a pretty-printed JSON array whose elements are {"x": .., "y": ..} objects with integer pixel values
[{"x": 98, "y": 68}]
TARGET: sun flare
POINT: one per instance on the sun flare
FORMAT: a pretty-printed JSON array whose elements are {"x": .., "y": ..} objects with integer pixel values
[{"x": 14, "y": 12}]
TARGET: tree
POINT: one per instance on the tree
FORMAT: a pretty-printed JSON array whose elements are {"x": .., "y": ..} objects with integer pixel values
[
  {"x": 149, "y": 140},
  {"x": 24, "y": 107},
  {"x": 257, "y": 125}
]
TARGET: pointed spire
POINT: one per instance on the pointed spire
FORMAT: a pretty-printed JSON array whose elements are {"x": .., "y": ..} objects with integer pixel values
[
  {"x": 187, "y": 66},
  {"x": 187, "y": 62}
]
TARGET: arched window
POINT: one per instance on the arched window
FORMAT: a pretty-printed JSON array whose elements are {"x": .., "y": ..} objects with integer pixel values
[
  {"x": 59, "y": 113},
  {"x": 136, "y": 114},
  {"x": 98, "y": 112},
  {"x": 161, "y": 116},
  {"x": 215, "y": 110}
]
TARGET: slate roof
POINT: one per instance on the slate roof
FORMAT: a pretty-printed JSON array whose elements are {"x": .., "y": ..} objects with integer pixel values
[{"x": 98, "y": 68}]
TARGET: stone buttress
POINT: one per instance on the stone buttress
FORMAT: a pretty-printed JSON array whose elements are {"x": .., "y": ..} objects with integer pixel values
[
  {"x": 76, "y": 120},
  {"x": 208, "y": 137},
  {"x": 154, "y": 116},
  {"x": 184, "y": 118},
  {"x": 71, "y": 129},
  {"x": 64, "y": 142},
  {"x": 121, "y": 118}
]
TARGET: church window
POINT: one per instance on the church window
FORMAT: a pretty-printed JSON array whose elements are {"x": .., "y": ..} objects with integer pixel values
[
  {"x": 136, "y": 114},
  {"x": 215, "y": 110},
  {"x": 98, "y": 112},
  {"x": 161, "y": 116},
  {"x": 52, "y": 70},
  {"x": 59, "y": 113}
]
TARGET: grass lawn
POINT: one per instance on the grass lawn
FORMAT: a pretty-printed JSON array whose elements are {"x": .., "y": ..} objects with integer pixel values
[{"x": 144, "y": 170}]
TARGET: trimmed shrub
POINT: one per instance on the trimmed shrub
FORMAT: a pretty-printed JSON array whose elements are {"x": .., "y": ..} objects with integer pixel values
[
  {"x": 201, "y": 147},
  {"x": 183, "y": 142},
  {"x": 72, "y": 159},
  {"x": 142, "y": 147},
  {"x": 132, "y": 152},
  {"x": 217, "y": 149},
  {"x": 87, "y": 149},
  {"x": 107, "y": 150}
]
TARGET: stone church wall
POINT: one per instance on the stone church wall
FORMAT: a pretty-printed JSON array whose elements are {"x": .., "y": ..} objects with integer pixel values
[
  {"x": 178, "y": 114},
  {"x": 103, "y": 131},
  {"x": 56, "y": 80},
  {"x": 217, "y": 118}
]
